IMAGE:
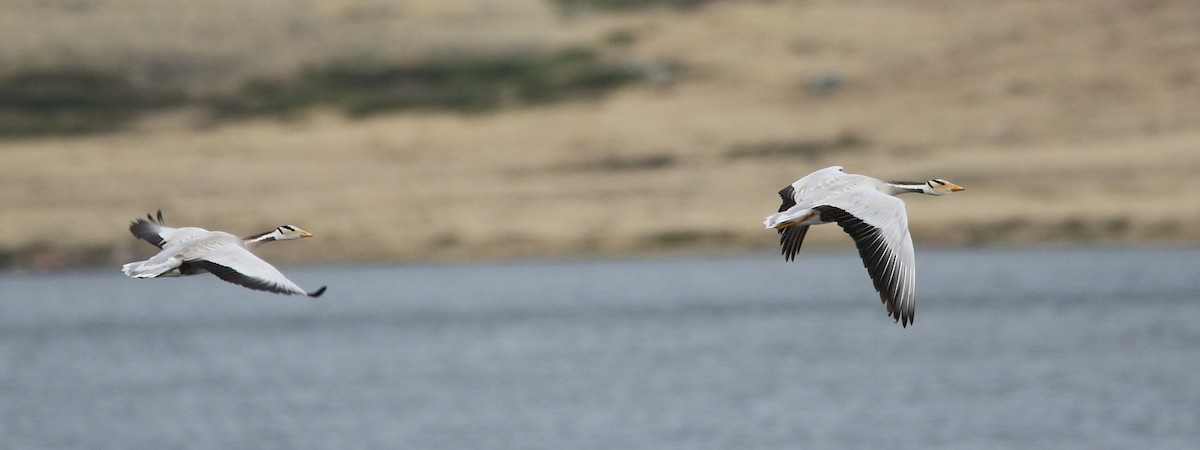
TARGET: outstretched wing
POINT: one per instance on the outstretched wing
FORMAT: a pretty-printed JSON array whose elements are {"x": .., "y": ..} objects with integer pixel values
[
  {"x": 879, "y": 226},
  {"x": 154, "y": 230},
  {"x": 808, "y": 190},
  {"x": 237, "y": 265}
]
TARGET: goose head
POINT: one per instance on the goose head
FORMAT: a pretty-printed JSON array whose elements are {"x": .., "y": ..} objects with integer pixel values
[
  {"x": 281, "y": 233},
  {"x": 938, "y": 186},
  {"x": 289, "y": 232}
]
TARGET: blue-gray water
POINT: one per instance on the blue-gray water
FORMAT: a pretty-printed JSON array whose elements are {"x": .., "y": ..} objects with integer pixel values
[{"x": 1063, "y": 348}]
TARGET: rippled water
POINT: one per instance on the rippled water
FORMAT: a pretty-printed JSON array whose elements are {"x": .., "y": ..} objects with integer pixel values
[{"x": 1062, "y": 348}]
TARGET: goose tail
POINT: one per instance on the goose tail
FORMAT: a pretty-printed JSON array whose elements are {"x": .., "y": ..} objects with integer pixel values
[{"x": 144, "y": 269}]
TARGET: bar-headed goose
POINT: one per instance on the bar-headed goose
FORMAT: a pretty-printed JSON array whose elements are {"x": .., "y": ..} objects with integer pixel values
[
  {"x": 191, "y": 250},
  {"x": 868, "y": 211}
]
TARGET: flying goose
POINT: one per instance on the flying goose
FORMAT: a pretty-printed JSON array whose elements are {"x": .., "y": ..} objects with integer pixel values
[
  {"x": 868, "y": 211},
  {"x": 191, "y": 251}
]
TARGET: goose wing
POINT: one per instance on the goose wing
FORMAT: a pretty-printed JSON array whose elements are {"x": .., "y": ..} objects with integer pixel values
[
  {"x": 879, "y": 226},
  {"x": 791, "y": 237},
  {"x": 235, "y": 264},
  {"x": 814, "y": 185},
  {"x": 801, "y": 191},
  {"x": 154, "y": 230}
]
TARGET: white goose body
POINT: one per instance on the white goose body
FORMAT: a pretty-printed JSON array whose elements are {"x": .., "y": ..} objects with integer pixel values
[
  {"x": 191, "y": 251},
  {"x": 867, "y": 209}
]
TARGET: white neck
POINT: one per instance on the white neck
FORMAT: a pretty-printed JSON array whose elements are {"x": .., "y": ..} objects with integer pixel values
[
  {"x": 905, "y": 187},
  {"x": 269, "y": 236}
]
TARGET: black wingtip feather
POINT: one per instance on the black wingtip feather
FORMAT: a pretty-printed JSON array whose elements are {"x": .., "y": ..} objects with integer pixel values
[
  {"x": 317, "y": 293},
  {"x": 790, "y": 239},
  {"x": 143, "y": 229},
  {"x": 788, "y": 195},
  {"x": 156, "y": 217}
]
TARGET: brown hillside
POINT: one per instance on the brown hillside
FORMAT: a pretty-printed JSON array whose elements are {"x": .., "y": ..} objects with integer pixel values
[{"x": 1070, "y": 121}]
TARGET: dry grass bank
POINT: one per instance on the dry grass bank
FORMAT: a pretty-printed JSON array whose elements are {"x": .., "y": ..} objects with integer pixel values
[{"x": 1071, "y": 121}]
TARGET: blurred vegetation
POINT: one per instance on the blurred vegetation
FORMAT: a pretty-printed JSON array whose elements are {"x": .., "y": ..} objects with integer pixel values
[
  {"x": 1072, "y": 229},
  {"x": 77, "y": 100},
  {"x": 42, "y": 255},
  {"x": 613, "y": 163},
  {"x": 74, "y": 101},
  {"x": 622, "y": 5},
  {"x": 810, "y": 149},
  {"x": 463, "y": 85},
  {"x": 687, "y": 238}
]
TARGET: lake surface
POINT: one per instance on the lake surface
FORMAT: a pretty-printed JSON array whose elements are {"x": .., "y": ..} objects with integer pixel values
[{"x": 1053, "y": 349}]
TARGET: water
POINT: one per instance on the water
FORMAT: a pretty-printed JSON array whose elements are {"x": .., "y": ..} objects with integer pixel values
[{"x": 1064, "y": 348}]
